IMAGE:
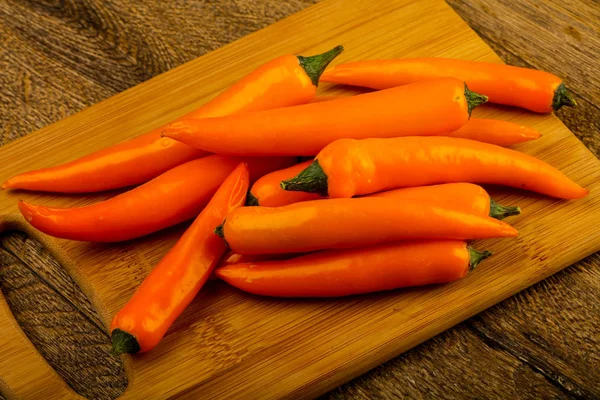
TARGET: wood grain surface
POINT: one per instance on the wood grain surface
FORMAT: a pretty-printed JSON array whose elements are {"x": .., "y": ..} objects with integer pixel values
[
  {"x": 58, "y": 318},
  {"x": 61, "y": 57}
]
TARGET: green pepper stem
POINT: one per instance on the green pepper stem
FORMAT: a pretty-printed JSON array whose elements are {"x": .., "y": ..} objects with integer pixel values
[
  {"x": 219, "y": 231},
  {"x": 123, "y": 342},
  {"x": 251, "y": 200},
  {"x": 473, "y": 99},
  {"x": 475, "y": 257},
  {"x": 315, "y": 65},
  {"x": 562, "y": 97},
  {"x": 499, "y": 211},
  {"x": 312, "y": 179}
]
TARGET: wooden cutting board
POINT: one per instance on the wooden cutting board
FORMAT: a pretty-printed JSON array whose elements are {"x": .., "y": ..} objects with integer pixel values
[{"x": 231, "y": 345}]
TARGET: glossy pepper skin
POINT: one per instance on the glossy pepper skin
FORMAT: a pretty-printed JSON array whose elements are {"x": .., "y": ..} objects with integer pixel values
[
  {"x": 424, "y": 108},
  {"x": 460, "y": 196},
  {"x": 531, "y": 89},
  {"x": 281, "y": 82},
  {"x": 335, "y": 273},
  {"x": 231, "y": 258},
  {"x": 357, "y": 167},
  {"x": 345, "y": 223},
  {"x": 500, "y": 133},
  {"x": 175, "y": 196},
  {"x": 465, "y": 197},
  {"x": 175, "y": 281}
]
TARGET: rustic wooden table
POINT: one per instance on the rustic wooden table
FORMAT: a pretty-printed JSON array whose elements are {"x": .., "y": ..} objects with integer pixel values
[{"x": 58, "y": 57}]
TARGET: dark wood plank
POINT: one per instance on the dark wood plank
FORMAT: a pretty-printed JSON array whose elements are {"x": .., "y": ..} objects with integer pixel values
[
  {"x": 75, "y": 345},
  {"x": 554, "y": 328},
  {"x": 454, "y": 365},
  {"x": 60, "y": 57}
]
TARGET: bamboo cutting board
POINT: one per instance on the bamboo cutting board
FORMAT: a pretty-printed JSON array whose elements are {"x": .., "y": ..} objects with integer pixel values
[{"x": 231, "y": 345}]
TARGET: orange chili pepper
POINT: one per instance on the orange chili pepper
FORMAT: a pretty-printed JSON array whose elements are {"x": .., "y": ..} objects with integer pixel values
[
  {"x": 350, "y": 167},
  {"x": 465, "y": 197},
  {"x": 461, "y": 196},
  {"x": 173, "y": 197},
  {"x": 335, "y": 273},
  {"x": 321, "y": 99},
  {"x": 423, "y": 108},
  {"x": 231, "y": 258},
  {"x": 501, "y": 133},
  {"x": 534, "y": 90},
  {"x": 285, "y": 81},
  {"x": 235, "y": 258},
  {"x": 267, "y": 190},
  {"x": 342, "y": 223},
  {"x": 175, "y": 281}
]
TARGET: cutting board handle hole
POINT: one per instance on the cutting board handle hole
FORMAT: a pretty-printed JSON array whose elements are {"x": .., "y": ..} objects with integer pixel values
[{"x": 58, "y": 318}]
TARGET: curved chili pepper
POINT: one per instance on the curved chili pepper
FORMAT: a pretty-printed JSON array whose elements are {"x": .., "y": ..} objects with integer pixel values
[
  {"x": 342, "y": 223},
  {"x": 285, "y": 81},
  {"x": 461, "y": 196},
  {"x": 350, "y": 167},
  {"x": 335, "y": 273},
  {"x": 500, "y": 133},
  {"x": 175, "y": 281},
  {"x": 424, "y": 108},
  {"x": 173, "y": 197},
  {"x": 534, "y": 90},
  {"x": 465, "y": 197},
  {"x": 267, "y": 190}
]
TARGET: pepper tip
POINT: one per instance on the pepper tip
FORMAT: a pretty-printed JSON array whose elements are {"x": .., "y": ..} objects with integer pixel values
[
  {"x": 167, "y": 133},
  {"x": 173, "y": 130},
  {"x": 510, "y": 231}
]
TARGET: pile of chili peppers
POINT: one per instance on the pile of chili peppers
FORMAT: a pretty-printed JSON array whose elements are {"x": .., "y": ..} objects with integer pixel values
[{"x": 387, "y": 199}]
